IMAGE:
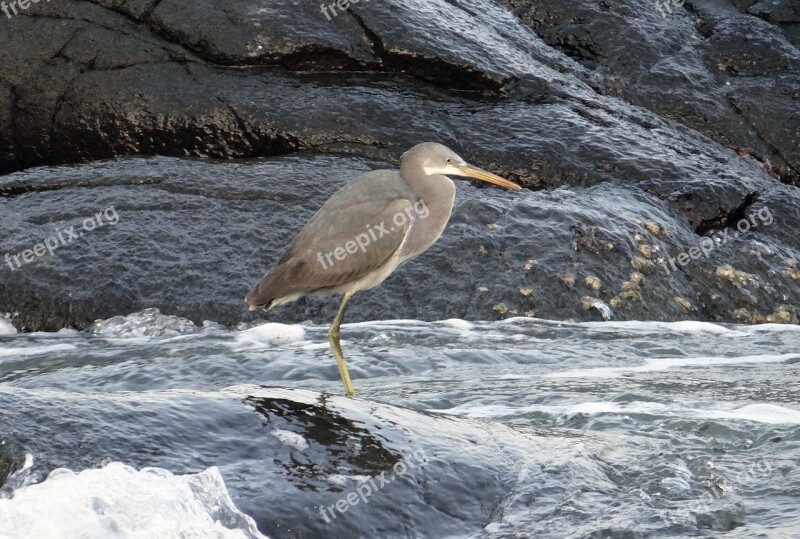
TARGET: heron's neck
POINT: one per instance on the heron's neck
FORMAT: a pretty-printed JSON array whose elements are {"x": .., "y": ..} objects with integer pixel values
[{"x": 438, "y": 192}]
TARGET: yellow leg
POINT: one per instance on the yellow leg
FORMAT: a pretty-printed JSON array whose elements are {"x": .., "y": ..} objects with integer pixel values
[{"x": 333, "y": 337}]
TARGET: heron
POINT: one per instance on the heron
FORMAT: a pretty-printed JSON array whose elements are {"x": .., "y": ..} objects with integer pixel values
[{"x": 365, "y": 231}]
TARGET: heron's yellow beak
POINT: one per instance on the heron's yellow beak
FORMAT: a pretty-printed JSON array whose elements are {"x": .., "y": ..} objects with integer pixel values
[{"x": 480, "y": 174}]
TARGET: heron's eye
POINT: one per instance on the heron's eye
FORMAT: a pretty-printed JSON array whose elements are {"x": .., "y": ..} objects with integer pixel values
[{"x": 449, "y": 161}]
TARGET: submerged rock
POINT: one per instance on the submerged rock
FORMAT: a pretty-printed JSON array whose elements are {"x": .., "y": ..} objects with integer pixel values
[{"x": 362, "y": 467}]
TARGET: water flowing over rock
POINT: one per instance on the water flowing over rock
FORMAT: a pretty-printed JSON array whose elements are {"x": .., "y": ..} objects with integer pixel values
[{"x": 347, "y": 444}]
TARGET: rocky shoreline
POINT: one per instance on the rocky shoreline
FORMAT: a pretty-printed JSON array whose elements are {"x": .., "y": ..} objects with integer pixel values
[{"x": 640, "y": 139}]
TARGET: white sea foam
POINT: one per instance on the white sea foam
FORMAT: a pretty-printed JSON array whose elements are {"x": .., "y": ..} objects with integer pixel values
[
  {"x": 382, "y": 323},
  {"x": 6, "y": 327},
  {"x": 147, "y": 323},
  {"x": 272, "y": 333},
  {"x": 758, "y": 413},
  {"x": 28, "y": 462},
  {"x": 119, "y": 502},
  {"x": 345, "y": 481},
  {"x": 778, "y": 328},
  {"x": 685, "y": 326},
  {"x": 664, "y": 363},
  {"x": 695, "y": 326},
  {"x": 457, "y": 323},
  {"x": 150, "y": 322},
  {"x": 36, "y": 350},
  {"x": 291, "y": 439}
]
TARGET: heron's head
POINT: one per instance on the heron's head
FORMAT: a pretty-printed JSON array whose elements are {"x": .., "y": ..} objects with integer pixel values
[{"x": 434, "y": 159}]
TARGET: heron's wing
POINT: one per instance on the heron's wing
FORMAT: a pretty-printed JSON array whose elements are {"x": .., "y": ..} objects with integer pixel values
[
  {"x": 353, "y": 210},
  {"x": 355, "y": 233}
]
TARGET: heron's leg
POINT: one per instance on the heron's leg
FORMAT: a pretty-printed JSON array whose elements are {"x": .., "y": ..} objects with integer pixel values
[{"x": 333, "y": 337}]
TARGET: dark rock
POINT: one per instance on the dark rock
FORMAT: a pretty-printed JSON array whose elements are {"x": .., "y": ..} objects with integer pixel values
[
  {"x": 729, "y": 75},
  {"x": 191, "y": 237},
  {"x": 11, "y": 461},
  {"x": 224, "y": 79}
]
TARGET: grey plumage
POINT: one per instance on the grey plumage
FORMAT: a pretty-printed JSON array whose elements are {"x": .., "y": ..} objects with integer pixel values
[{"x": 369, "y": 201}]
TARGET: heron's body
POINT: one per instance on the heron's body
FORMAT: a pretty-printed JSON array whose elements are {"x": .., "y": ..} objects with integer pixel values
[
  {"x": 392, "y": 216},
  {"x": 373, "y": 199}
]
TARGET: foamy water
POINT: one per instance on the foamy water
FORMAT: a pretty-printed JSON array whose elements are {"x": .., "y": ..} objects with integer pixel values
[
  {"x": 6, "y": 326},
  {"x": 682, "y": 428},
  {"x": 119, "y": 501}
]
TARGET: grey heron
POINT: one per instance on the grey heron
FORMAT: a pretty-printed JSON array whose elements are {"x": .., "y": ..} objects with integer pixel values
[{"x": 366, "y": 230}]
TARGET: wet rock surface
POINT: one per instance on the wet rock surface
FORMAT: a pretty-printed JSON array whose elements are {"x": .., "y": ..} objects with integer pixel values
[
  {"x": 297, "y": 453},
  {"x": 714, "y": 66},
  {"x": 638, "y": 136},
  {"x": 190, "y": 237}
]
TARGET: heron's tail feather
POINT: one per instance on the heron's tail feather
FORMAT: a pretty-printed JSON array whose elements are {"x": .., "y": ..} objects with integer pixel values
[
  {"x": 263, "y": 294},
  {"x": 284, "y": 282}
]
